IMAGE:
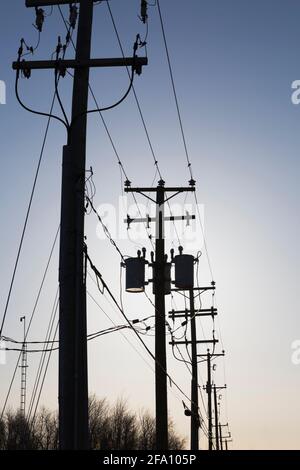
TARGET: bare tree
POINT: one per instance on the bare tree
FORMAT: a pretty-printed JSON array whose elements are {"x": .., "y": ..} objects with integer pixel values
[{"x": 110, "y": 427}]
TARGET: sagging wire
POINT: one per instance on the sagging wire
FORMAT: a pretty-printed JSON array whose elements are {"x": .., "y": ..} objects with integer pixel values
[
  {"x": 156, "y": 164},
  {"x": 60, "y": 71},
  {"x": 90, "y": 337},
  {"x": 121, "y": 166},
  {"x": 27, "y": 74},
  {"x": 107, "y": 289},
  {"x": 90, "y": 189},
  {"x": 107, "y": 108}
]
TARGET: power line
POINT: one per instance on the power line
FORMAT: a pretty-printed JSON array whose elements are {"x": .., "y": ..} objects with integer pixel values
[
  {"x": 174, "y": 90},
  {"x": 32, "y": 316},
  {"x": 43, "y": 355},
  {"x": 106, "y": 288},
  {"x": 26, "y": 219}
]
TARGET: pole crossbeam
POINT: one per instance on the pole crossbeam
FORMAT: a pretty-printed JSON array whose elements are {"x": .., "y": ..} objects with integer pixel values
[
  {"x": 47, "y": 3},
  {"x": 203, "y": 289},
  {"x": 201, "y": 310},
  {"x": 136, "y": 62},
  {"x": 200, "y": 341},
  {"x": 212, "y": 355},
  {"x": 171, "y": 218},
  {"x": 165, "y": 190}
]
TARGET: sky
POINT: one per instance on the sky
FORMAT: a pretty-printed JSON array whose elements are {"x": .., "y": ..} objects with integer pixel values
[{"x": 234, "y": 62}]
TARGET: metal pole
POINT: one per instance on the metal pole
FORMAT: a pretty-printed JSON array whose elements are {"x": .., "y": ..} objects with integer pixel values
[
  {"x": 194, "y": 384},
  {"x": 23, "y": 370},
  {"x": 216, "y": 418},
  {"x": 73, "y": 383},
  {"x": 160, "y": 329},
  {"x": 208, "y": 389}
]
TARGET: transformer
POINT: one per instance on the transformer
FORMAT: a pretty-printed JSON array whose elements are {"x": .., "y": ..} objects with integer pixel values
[
  {"x": 135, "y": 274},
  {"x": 184, "y": 271}
]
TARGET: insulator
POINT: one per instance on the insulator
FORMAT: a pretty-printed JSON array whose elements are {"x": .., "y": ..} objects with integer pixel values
[
  {"x": 135, "y": 274},
  {"x": 40, "y": 18},
  {"x": 73, "y": 16},
  {"x": 144, "y": 8},
  {"x": 184, "y": 271}
]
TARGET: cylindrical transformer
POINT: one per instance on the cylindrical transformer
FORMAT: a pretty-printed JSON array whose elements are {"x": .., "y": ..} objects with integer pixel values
[
  {"x": 135, "y": 274},
  {"x": 184, "y": 271},
  {"x": 167, "y": 279}
]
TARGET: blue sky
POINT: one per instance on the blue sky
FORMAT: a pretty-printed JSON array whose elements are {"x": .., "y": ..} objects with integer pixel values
[{"x": 234, "y": 62}]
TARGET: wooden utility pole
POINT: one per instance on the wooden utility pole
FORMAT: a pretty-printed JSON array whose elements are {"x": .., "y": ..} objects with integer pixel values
[
  {"x": 73, "y": 375},
  {"x": 195, "y": 422},
  {"x": 209, "y": 356},
  {"x": 224, "y": 438},
  {"x": 193, "y": 314},
  {"x": 216, "y": 418},
  {"x": 73, "y": 370},
  {"x": 217, "y": 426},
  {"x": 161, "y": 390},
  {"x": 161, "y": 395},
  {"x": 209, "y": 407}
]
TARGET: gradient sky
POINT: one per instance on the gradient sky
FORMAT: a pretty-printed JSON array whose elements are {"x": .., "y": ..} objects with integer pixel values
[{"x": 234, "y": 62}]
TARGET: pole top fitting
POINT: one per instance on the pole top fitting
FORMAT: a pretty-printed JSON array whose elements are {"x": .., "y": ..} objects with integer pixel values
[
  {"x": 180, "y": 249},
  {"x": 127, "y": 183},
  {"x": 161, "y": 183},
  {"x": 192, "y": 182}
]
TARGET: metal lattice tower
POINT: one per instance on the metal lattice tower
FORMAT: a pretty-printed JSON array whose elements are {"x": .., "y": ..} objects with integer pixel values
[{"x": 23, "y": 371}]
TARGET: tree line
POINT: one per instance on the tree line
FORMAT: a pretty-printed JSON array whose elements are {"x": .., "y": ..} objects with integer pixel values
[{"x": 111, "y": 427}]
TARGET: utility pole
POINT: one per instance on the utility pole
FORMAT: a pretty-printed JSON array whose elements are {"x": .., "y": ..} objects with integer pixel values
[
  {"x": 209, "y": 356},
  {"x": 73, "y": 370},
  {"x": 73, "y": 374},
  {"x": 23, "y": 370},
  {"x": 161, "y": 394},
  {"x": 195, "y": 422},
  {"x": 209, "y": 407},
  {"x": 223, "y": 439},
  {"x": 216, "y": 418},
  {"x": 227, "y": 440},
  {"x": 217, "y": 426},
  {"x": 193, "y": 314}
]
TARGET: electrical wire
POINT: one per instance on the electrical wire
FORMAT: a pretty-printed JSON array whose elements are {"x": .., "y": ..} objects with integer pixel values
[
  {"x": 107, "y": 289},
  {"x": 156, "y": 164},
  {"x": 31, "y": 317},
  {"x": 174, "y": 89},
  {"x": 38, "y": 113},
  {"x": 121, "y": 165},
  {"x": 43, "y": 355},
  {"x": 26, "y": 218}
]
